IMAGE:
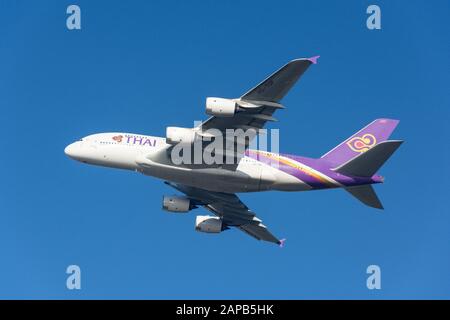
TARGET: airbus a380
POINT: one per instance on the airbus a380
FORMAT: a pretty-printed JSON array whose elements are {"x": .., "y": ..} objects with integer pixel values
[{"x": 352, "y": 165}]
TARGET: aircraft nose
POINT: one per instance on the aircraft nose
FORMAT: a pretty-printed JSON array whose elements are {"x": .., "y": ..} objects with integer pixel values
[{"x": 71, "y": 150}]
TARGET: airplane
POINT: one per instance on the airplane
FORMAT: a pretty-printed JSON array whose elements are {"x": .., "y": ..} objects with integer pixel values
[{"x": 351, "y": 165}]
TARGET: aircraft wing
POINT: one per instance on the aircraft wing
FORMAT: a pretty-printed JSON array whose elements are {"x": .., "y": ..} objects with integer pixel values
[
  {"x": 259, "y": 104},
  {"x": 232, "y": 211}
]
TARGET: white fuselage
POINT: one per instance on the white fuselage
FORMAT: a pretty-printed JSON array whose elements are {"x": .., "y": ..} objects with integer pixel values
[{"x": 148, "y": 155}]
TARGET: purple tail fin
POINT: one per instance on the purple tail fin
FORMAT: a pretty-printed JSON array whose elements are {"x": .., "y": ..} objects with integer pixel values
[{"x": 372, "y": 134}]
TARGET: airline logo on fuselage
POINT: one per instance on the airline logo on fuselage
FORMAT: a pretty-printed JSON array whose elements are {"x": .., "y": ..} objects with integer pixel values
[
  {"x": 363, "y": 143},
  {"x": 135, "y": 140},
  {"x": 118, "y": 138}
]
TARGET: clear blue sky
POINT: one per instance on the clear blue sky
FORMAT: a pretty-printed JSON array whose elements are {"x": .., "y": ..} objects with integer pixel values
[{"x": 140, "y": 66}]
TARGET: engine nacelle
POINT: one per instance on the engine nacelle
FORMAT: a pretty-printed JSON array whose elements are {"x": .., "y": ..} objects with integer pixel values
[
  {"x": 175, "y": 135},
  {"x": 220, "y": 107},
  {"x": 208, "y": 224},
  {"x": 176, "y": 204}
]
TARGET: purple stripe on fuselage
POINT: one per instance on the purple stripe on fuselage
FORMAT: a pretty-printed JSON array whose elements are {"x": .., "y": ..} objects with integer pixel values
[
  {"x": 326, "y": 168},
  {"x": 311, "y": 178}
]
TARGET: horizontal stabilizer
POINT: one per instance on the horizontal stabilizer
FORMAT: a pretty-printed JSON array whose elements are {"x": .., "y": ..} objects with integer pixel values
[
  {"x": 368, "y": 163},
  {"x": 366, "y": 194}
]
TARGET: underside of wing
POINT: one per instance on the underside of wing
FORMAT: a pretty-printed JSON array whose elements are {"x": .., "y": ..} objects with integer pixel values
[
  {"x": 234, "y": 123},
  {"x": 275, "y": 87},
  {"x": 260, "y": 232},
  {"x": 231, "y": 211},
  {"x": 256, "y": 107}
]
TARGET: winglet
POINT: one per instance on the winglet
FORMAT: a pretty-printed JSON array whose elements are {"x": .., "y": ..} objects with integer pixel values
[
  {"x": 281, "y": 243},
  {"x": 313, "y": 59}
]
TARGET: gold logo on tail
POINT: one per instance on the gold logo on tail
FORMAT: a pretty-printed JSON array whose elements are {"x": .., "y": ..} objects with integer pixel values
[{"x": 363, "y": 143}]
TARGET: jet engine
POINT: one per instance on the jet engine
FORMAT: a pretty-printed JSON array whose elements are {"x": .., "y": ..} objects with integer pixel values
[
  {"x": 176, "y": 135},
  {"x": 209, "y": 224},
  {"x": 176, "y": 204},
  {"x": 220, "y": 107}
]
